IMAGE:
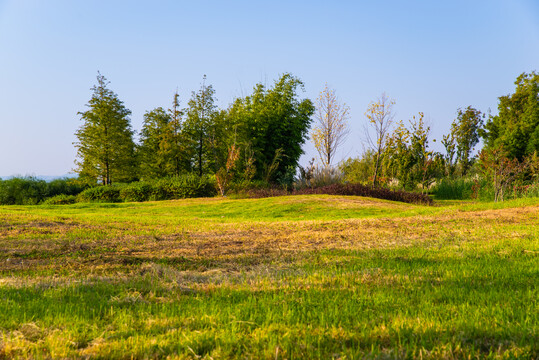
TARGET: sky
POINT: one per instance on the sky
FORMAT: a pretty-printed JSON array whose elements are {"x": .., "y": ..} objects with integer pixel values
[{"x": 429, "y": 56}]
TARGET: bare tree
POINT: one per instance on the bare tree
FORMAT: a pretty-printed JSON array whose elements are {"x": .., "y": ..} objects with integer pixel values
[
  {"x": 332, "y": 127},
  {"x": 380, "y": 116}
]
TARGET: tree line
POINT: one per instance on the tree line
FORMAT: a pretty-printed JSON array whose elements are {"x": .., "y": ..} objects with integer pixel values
[
  {"x": 266, "y": 129},
  {"x": 259, "y": 138}
]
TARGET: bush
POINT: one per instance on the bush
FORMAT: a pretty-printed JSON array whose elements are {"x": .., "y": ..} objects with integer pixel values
[
  {"x": 64, "y": 187},
  {"x": 136, "y": 192},
  {"x": 367, "y": 191},
  {"x": 60, "y": 200},
  {"x": 109, "y": 193},
  {"x": 349, "y": 190},
  {"x": 22, "y": 191},
  {"x": 187, "y": 186}
]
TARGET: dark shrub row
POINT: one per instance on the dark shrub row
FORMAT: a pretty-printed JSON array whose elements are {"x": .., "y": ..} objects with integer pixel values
[
  {"x": 188, "y": 186},
  {"x": 367, "y": 191},
  {"x": 350, "y": 190}
]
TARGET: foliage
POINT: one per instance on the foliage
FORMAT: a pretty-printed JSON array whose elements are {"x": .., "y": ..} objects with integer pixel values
[
  {"x": 179, "y": 187},
  {"x": 455, "y": 189},
  {"x": 136, "y": 191},
  {"x": 380, "y": 119},
  {"x": 105, "y": 147},
  {"x": 331, "y": 129},
  {"x": 200, "y": 127},
  {"x": 109, "y": 194},
  {"x": 31, "y": 191},
  {"x": 60, "y": 200},
  {"x": 501, "y": 170},
  {"x": 186, "y": 186},
  {"x": 158, "y": 145},
  {"x": 22, "y": 191},
  {"x": 407, "y": 157},
  {"x": 368, "y": 191},
  {"x": 460, "y": 142},
  {"x": 359, "y": 170},
  {"x": 269, "y": 120},
  {"x": 516, "y": 127}
]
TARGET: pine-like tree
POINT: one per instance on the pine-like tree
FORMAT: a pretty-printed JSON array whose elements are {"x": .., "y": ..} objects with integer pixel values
[{"x": 105, "y": 146}]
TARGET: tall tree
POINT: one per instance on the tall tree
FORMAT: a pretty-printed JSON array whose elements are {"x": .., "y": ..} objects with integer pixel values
[
  {"x": 274, "y": 123},
  {"x": 105, "y": 147},
  {"x": 201, "y": 114},
  {"x": 331, "y": 129},
  {"x": 179, "y": 142},
  {"x": 516, "y": 127},
  {"x": 380, "y": 116},
  {"x": 157, "y": 148},
  {"x": 465, "y": 131}
]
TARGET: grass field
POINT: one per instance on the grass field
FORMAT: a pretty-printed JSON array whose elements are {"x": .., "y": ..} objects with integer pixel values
[{"x": 279, "y": 278}]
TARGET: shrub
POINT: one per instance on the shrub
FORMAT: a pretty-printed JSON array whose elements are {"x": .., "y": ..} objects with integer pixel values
[
  {"x": 22, "y": 191},
  {"x": 136, "y": 192},
  {"x": 187, "y": 186},
  {"x": 64, "y": 187},
  {"x": 367, "y": 191},
  {"x": 61, "y": 199},
  {"x": 109, "y": 193}
]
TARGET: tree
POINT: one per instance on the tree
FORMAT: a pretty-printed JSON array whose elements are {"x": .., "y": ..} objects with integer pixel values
[
  {"x": 178, "y": 153},
  {"x": 274, "y": 123},
  {"x": 332, "y": 127},
  {"x": 380, "y": 116},
  {"x": 200, "y": 116},
  {"x": 105, "y": 147},
  {"x": 516, "y": 127},
  {"x": 465, "y": 134},
  {"x": 157, "y": 148}
]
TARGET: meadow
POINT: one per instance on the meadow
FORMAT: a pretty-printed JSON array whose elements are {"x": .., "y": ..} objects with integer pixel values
[{"x": 294, "y": 277}]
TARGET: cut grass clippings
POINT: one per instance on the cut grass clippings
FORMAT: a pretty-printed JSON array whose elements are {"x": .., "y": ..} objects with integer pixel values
[{"x": 288, "y": 277}]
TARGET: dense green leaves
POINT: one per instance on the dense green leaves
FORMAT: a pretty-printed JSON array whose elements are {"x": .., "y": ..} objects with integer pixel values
[
  {"x": 273, "y": 122},
  {"x": 516, "y": 127},
  {"x": 105, "y": 147}
]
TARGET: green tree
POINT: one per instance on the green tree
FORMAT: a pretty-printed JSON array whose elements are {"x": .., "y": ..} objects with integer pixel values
[
  {"x": 105, "y": 146},
  {"x": 157, "y": 148},
  {"x": 516, "y": 127},
  {"x": 201, "y": 114},
  {"x": 274, "y": 124},
  {"x": 465, "y": 132}
]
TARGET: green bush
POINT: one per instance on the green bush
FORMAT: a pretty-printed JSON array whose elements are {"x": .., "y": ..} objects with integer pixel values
[
  {"x": 61, "y": 199},
  {"x": 64, "y": 187},
  {"x": 187, "y": 186},
  {"x": 22, "y": 191},
  {"x": 100, "y": 194},
  {"x": 136, "y": 192}
]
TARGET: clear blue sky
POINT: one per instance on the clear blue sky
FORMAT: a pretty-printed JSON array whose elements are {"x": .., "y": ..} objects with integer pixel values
[{"x": 430, "y": 56}]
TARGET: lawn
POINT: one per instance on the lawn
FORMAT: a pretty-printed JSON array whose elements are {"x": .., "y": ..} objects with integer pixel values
[{"x": 277, "y": 278}]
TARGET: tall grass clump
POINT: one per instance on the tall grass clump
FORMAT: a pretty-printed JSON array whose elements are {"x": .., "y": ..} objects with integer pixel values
[{"x": 455, "y": 189}]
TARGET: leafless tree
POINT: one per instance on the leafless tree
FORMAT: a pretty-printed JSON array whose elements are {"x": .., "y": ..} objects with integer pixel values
[
  {"x": 380, "y": 116},
  {"x": 331, "y": 129}
]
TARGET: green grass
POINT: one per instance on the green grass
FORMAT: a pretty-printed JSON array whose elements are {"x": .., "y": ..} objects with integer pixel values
[{"x": 293, "y": 277}]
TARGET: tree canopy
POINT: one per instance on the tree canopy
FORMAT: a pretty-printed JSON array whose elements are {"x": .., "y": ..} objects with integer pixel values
[{"x": 105, "y": 146}]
